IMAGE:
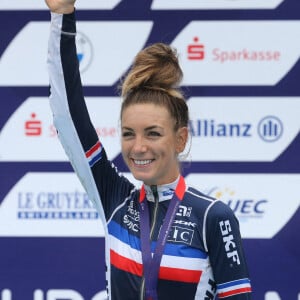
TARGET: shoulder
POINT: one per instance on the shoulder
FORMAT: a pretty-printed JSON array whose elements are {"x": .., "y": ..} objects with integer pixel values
[
  {"x": 213, "y": 208},
  {"x": 191, "y": 192},
  {"x": 220, "y": 210}
]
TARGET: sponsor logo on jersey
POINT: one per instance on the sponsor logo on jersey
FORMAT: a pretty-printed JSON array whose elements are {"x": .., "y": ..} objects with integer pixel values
[
  {"x": 185, "y": 223},
  {"x": 184, "y": 211},
  {"x": 181, "y": 235},
  {"x": 229, "y": 243},
  {"x": 132, "y": 218}
]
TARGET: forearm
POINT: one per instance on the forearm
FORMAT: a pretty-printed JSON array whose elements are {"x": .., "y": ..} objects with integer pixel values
[
  {"x": 226, "y": 254},
  {"x": 67, "y": 100}
]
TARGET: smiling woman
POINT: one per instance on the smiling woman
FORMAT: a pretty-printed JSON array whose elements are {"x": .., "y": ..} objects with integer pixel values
[
  {"x": 154, "y": 116},
  {"x": 165, "y": 240},
  {"x": 150, "y": 145}
]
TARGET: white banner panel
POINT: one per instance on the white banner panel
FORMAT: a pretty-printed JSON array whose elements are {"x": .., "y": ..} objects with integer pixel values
[
  {"x": 215, "y": 4},
  {"x": 237, "y": 52},
  {"x": 29, "y": 134},
  {"x": 242, "y": 128},
  {"x": 40, "y": 5},
  {"x": 263, "y": 203},
  {"x": 222, "y": 129},
  {"x": 103, "y": 51},
  {"x": 49, "y": 204},
  {"x": 54, "y": 204}
]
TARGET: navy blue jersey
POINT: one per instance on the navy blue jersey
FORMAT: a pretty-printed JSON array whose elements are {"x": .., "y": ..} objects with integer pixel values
[{"x": 203, "y": 257}]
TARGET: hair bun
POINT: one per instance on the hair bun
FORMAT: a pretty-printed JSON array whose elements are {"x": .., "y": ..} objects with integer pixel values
[{"x": 155, "y": 67}]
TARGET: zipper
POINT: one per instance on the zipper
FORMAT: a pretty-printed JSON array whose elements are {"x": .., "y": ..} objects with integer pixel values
[
  {"x": 142, "y": 289},
  {"x": 156, "y": 201}
]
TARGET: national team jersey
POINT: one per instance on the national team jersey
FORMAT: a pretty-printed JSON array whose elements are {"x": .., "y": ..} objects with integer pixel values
[{"x": 203, "y": 257}]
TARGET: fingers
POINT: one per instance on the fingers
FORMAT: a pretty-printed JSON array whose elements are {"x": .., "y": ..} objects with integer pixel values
[{"x": 61, "y": 6}]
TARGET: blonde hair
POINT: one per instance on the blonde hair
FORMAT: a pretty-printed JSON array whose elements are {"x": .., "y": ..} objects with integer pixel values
[{"x": 155, "y": 77}]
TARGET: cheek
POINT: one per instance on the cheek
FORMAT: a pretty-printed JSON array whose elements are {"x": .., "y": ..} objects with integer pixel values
[
  {"x": 171, "y": 148},
  {"x": 176, "y": 146},
  {"x": 124, "y": 147}
]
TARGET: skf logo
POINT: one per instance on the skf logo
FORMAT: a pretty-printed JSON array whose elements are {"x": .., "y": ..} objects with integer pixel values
[
  {"x": 180, "y": 234},
  {"x": 228, "y": 240},
  {"x": 196, "y": 50},
  {"x": 33, "y": 127}
]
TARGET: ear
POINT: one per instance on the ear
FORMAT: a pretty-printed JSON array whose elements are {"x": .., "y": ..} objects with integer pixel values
[{"x": 181, "y": 139}]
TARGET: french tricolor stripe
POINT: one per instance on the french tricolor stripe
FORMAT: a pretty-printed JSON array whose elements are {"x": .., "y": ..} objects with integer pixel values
[
  {"x": 190, "y": 276},
  {"x": 125, "y": 264},
  {"x": 94, "y": 154},
  {"x": 133, "y": 267},
  {"x": 234, "y": 288},
  {"x": 128, "y": 259}
]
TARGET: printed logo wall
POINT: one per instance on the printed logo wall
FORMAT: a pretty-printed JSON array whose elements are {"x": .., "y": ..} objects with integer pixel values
[{"x": 241, "y": 68}]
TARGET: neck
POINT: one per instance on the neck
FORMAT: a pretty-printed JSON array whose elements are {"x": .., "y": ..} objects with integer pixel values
[{"x": 164, "y": 191}]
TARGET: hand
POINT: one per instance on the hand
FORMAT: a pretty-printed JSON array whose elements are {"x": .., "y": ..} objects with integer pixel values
[{"x": 61, "y": 6}]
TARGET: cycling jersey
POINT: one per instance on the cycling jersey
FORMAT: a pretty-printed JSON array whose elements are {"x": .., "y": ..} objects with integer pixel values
[{"x": 203, "y": 256}]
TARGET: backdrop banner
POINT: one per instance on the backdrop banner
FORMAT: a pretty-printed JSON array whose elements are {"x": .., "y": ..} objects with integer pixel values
[{"x": 241, "y": 80}]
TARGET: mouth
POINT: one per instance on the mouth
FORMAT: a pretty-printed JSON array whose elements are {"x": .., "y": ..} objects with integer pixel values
[{"x": 142, "y": 162}]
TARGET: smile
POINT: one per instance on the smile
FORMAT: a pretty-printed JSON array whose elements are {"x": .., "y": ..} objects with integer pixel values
[{"x": 142, "y": 162}]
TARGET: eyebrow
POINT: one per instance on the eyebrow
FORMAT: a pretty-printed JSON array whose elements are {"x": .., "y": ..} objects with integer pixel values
[{"x": 146, "y": 129}]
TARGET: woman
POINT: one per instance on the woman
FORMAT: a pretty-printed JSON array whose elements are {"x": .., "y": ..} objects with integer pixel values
[{"x": 166, "y": 240}]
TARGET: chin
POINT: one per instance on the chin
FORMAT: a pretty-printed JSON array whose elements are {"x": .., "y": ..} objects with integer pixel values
[{"x": 145, "y": 179}]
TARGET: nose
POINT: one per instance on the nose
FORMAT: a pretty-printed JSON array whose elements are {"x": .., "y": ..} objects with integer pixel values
[{"x": 139, "y": 145}]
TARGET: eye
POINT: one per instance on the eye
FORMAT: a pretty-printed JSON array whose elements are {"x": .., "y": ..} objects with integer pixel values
[
  {"x": 154, "y": 133},
  {"x": 127, "y": 134}
]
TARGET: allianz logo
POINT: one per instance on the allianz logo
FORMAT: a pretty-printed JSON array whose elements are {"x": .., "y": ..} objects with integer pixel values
[{"x": 268, "y": 129}]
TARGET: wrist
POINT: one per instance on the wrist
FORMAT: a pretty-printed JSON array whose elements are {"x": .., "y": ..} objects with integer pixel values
[{"x": 64, "y": 10}]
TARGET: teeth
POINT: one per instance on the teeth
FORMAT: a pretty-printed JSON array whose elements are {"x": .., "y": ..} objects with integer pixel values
[{"x": 142, "y": 162}]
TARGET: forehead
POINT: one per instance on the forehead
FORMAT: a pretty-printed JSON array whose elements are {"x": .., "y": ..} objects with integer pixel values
[{"x": 147, "y": 114}]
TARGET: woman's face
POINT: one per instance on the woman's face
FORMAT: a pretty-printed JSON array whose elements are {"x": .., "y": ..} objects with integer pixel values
[{"x": 149, "y": 143}]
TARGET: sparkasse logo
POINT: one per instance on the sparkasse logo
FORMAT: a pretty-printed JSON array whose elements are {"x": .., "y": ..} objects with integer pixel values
[{"x": 237, "y": 52}]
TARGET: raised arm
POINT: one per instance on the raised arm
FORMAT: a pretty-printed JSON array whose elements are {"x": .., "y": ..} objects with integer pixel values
[{"x": 70, "y": 115}]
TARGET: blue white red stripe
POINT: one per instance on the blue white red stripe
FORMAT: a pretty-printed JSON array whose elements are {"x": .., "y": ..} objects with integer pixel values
[
  {"x": 234, "y": 288},
  {"x": 128, "y": 257},
  {"x": 94, "y": 154}
]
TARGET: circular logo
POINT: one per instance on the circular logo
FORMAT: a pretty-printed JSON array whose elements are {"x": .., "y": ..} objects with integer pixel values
[
  {"x": 270, "y": 129},
  {"x": 84, "y": 51}
]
